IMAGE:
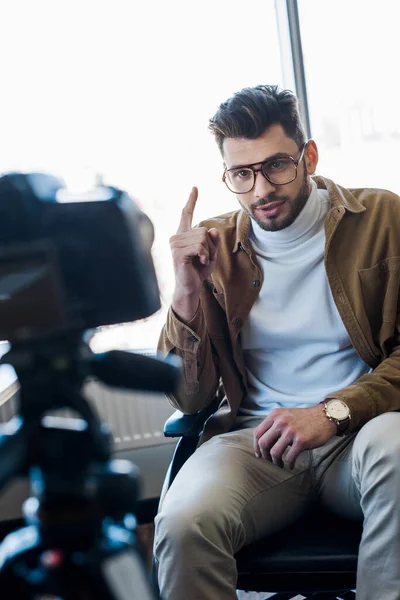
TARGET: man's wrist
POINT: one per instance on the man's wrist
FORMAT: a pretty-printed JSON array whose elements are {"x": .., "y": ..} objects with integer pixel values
[
  {"x": 338, "y": 412},
  {"x": 185, "y": 306},
  {"x": 334, "y": 426}
]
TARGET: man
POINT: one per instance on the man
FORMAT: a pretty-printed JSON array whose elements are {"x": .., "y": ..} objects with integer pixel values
[{"x": 288, "y": 310}]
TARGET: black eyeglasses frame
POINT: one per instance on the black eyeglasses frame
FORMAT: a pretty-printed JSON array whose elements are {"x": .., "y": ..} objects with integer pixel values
[{"x": 295, "y": 161}]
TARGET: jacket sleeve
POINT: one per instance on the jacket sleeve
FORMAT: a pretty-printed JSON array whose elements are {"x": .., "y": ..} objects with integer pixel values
[
  {"x": 375, "y": 393},
  {"x": 200, "y": 376}
]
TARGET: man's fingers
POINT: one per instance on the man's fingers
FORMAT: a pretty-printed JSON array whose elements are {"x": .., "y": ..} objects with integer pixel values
[
  {"x": 258, "y": 433},
  {"x": 199, "y": 242},
  {"x": 278, "y": 449},
  {"x": 214, "y": 234},
  {"x": 293, "y": 455},
  {"x": 257, "y": 450},
  {"x": 213, "y": 243},
  {"x": 186, "y": 246},
  {"x": 266, "y": 442},
  {"x": 187, "y": 212},
  {"x": 263, "y": 427}
]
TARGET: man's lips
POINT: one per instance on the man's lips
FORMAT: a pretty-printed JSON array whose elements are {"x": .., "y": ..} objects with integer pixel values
[{"x": 271, "y": 208}]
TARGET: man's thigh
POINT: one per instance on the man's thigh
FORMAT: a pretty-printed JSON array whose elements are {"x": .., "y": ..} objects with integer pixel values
[
  {"x": 337, "y": 490},
  {"x": 340, "y": 485},
  {"x": 223, "y": 480}
]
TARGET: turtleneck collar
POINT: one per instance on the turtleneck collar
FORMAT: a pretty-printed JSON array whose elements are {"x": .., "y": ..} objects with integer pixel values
[{"x": 302, "y": 229}]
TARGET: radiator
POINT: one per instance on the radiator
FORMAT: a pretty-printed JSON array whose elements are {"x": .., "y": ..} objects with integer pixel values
[{"x": 136, "y": 419}]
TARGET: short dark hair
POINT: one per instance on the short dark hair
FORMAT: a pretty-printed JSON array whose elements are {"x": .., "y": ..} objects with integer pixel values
[{"x": 252, "y": 110}]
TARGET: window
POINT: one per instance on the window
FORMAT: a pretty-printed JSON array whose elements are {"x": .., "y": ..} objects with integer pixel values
[
  {"x": 353, "y": 88},
  {"x": 125, "y": 90}
]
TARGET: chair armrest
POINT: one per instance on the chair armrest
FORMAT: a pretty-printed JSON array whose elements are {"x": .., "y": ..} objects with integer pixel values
[{"x": 181, "y": 425}]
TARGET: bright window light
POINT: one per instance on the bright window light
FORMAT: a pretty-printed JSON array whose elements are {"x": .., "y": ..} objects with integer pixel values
[{"x": 123, "y": 91}]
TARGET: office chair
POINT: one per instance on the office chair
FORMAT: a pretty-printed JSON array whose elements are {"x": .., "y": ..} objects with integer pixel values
[{"x": 316, "y": 557}]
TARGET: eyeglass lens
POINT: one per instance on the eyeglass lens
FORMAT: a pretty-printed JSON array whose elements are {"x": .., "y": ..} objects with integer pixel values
[{"x": 277, "y": 170}]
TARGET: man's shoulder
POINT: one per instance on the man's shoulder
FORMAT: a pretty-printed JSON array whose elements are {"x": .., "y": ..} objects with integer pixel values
[
  {"x": 361, "y": 198},
  {"x": 373, "y": 195},
  {"x": 381, "y": 206}
]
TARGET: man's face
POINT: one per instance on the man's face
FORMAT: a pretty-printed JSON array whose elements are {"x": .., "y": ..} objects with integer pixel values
[{"x": 273, "y": 207}]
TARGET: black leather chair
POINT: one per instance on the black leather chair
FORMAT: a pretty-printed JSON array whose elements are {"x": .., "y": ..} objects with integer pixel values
[{"x": 316, "y": 557}]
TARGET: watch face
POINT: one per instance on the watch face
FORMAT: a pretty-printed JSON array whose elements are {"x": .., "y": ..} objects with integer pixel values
[{"x": 337, "y": 409}]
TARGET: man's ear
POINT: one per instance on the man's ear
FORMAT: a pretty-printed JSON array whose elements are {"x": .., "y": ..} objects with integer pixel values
[{"x": 311, "y": 157}]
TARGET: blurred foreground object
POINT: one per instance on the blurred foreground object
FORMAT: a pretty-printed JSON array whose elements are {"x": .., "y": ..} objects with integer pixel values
[{"x": 67, "y": 265}]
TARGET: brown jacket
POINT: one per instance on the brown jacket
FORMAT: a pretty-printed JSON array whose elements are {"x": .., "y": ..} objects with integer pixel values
[{"x": 362, "y": 262}]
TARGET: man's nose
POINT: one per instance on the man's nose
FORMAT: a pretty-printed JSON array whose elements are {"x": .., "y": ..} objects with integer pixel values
[{"x": 262, "y": 187}]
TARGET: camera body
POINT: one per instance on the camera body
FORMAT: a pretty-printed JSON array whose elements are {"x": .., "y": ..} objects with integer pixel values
[{"x": 71, "y": 263}]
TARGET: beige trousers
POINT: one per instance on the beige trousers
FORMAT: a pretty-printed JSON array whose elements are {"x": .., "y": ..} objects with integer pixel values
[{"x": 224, "y": 498}]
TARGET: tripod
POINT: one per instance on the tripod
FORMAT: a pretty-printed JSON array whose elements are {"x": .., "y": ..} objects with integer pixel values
[{"x": 79, "y": 540}]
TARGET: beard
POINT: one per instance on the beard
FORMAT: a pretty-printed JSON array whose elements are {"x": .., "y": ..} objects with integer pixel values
[{"x": 297, "y": 204}]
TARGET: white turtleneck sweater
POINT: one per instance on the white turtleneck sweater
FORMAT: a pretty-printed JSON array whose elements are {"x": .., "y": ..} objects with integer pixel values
[{"x": 296, "y": 348}]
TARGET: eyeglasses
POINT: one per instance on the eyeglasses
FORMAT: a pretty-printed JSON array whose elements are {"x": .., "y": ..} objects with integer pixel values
[{"x": 278, "y": 171}]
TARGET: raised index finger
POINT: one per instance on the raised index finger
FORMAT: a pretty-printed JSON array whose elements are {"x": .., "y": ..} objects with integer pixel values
[{"x": 187, "y": 212}]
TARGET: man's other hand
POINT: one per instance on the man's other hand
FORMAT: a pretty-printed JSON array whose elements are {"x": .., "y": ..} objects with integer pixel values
[{"x": 292, "y": 429}]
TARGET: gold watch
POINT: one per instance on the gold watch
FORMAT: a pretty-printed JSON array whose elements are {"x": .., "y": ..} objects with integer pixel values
[{"x": 337, "y": 411}]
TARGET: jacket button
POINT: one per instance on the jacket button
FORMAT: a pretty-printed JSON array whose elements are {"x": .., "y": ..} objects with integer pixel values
[
  {"x": 238, "y": 322},
  {"x": 382, "y": 266},
  {"x": 193, "y": 339},
  {"x": 256, "y": 283}
]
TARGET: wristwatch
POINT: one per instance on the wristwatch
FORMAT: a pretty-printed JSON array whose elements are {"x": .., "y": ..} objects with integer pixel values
[{"x": 337, "y": 411}]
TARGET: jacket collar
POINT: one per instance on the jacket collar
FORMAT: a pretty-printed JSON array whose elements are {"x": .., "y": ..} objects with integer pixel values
[{"x": 340, "y": 198}]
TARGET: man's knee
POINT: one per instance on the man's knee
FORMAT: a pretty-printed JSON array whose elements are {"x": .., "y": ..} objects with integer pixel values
[
  {"x": 182, "y": 531},
  {"x": 192, "y": 518},
  {"x": 193, "y": 546},
  {"x": 173, "y": 529}
]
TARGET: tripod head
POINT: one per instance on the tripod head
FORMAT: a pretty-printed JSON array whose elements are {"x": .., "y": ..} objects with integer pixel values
[{"x": 79, "y": 540}]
